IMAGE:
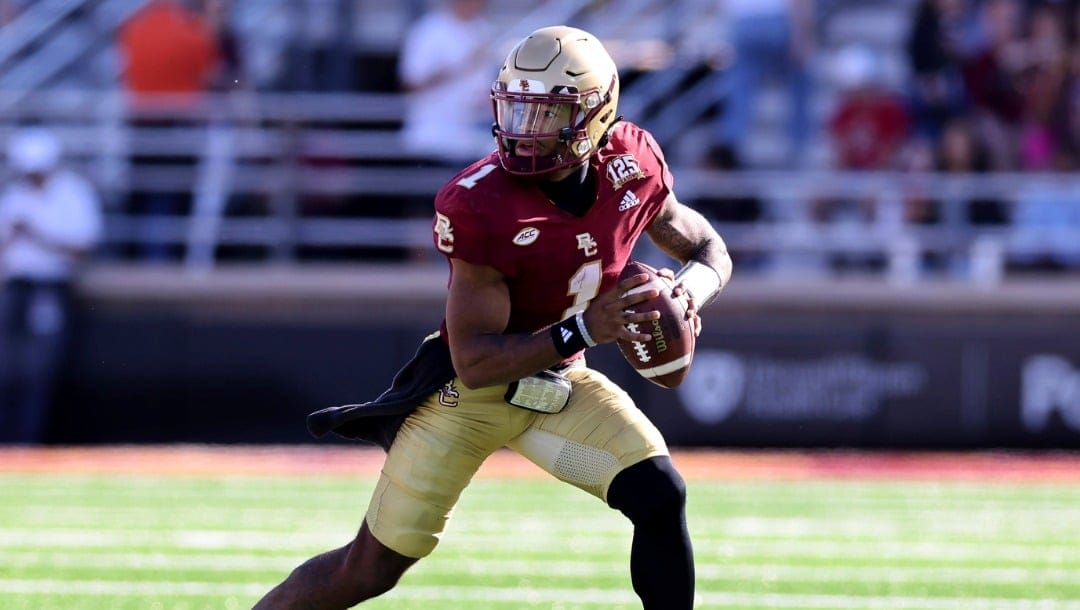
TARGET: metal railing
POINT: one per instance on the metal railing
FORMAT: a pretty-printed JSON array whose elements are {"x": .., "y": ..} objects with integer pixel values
[{"x": 341, "y": 152}]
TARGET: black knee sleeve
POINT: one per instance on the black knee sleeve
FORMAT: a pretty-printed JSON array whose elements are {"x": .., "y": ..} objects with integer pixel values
[{"x": 648, "y": 490}]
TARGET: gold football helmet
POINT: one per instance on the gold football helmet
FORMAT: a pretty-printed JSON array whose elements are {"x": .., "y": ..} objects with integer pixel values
[{"x": 554, "y": 100}]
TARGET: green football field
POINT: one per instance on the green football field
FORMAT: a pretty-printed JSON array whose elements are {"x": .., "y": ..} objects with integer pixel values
[{"x": 113, "y": 541}]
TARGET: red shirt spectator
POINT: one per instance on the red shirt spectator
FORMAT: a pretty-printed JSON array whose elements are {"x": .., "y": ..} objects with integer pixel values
[
  {"x": 167, "y": 49},
  {"x": 868, "y": 129}
]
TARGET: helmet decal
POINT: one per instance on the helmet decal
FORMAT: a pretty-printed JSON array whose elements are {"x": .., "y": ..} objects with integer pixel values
[{"x": 525, "y": 85}]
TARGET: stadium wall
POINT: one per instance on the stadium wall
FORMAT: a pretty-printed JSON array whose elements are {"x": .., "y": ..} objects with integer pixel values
[{"x": 244, "y": 357}]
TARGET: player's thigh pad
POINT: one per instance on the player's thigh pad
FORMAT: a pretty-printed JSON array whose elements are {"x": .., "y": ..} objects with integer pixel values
[
  {"x": 597, "y": 435},
  {"x": 434, "y": 456}
]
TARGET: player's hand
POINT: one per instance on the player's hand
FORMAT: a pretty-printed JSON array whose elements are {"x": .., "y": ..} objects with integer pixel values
[
  {"x": 606, "y": 316},
  {"x": 691, "y": 307}
]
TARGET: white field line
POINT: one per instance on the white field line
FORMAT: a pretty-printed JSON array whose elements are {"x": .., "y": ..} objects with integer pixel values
[
  {"x": 128, "y": 587},
  {"x": 730, "y": 550},
  {"x": 885, "y": 494},
  {"x": 1026, "y": 525},
  {"x": 184, "y": 510},
  {"x": 202, "y": 539},
  {"x": 221, "y": 563},
  {"x": 289, "y": 510},
  {"x": 593, "y": 596},
  {"x": 892, "y": 550},
  {"x": 876, "y": 528},
  {"x": 1030, "y": 528},
  {"x": 893, "y": 496}
]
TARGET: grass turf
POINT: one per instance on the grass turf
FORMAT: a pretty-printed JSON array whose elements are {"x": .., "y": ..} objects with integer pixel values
[{"x": 190, "y": 542}]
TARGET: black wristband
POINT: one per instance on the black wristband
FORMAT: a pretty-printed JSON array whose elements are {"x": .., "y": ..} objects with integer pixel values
[{"x": 567, "y": 338}]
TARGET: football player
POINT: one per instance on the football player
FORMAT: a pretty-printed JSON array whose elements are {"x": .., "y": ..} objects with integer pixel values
[{"x": 536, "y": 234}]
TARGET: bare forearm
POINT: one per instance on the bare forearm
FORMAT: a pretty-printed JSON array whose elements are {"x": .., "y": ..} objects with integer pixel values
[
  {"x": 494, "y": 359},
  {"x": 692, "y": 238},
  {"x": 478, "y": 312}
]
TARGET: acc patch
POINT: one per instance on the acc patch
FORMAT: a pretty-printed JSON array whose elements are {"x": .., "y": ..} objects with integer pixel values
[
  {"x": 526, "y": 236},
  {"x": 623, "y": 169}
]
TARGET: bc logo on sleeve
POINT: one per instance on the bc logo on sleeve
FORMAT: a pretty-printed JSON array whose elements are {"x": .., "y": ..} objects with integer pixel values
[{"x": 445, "y": 232}]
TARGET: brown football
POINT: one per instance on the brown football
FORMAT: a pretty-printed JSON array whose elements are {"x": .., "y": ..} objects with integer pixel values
[{"x": 666, "y": 359}]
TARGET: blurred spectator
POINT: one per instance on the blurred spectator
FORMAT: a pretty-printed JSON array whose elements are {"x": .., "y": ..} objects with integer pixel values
[
  {"x": 1046, "y": 223},
  {"x": 50, "y": 219},
  {"x": 918, "y": 208},
  {"x": 1073, "y": 99},
  {"x": 960, "y": 152},
  {"x": 9, "y": 10},
  {"x": 229, "y": 72},
  {"x": 867, "y": 130},
  {"x": 770, "y": 39},
  {"x": 870, "y": 123},
  {"x": 447, "y": 75},
  {"x": 320, "y": 52},
  {"x": 936, "y": 46},
  {"x": 166, "y": 49},
  {"x": 919, "y": 156},
  {"x": 1044, "y": 134},
  {"x": 992, "y": 79}
]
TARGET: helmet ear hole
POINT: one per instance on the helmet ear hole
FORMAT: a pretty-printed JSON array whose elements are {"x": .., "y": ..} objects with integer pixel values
[{"x": 566, "y": 134}]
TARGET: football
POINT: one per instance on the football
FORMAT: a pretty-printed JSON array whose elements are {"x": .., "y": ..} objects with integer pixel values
[{"x": 666, "y": 359}]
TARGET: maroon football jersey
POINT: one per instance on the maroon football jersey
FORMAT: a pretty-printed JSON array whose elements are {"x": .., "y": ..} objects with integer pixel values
[{"x": 554, "y": 262}]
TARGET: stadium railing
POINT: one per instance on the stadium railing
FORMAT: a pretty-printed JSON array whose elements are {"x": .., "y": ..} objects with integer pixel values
[{"x": 283, "y": 150}]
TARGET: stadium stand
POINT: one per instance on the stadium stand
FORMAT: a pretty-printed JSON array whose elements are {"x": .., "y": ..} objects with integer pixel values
[
  {"x": 928, "y": 302},
  {"x": 301, "y": 162}
]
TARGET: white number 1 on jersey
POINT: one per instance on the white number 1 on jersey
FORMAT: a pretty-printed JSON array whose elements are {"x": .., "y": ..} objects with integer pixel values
[
  {"x": 583, "y": 287},
  {"x": 471, "y": 180}
]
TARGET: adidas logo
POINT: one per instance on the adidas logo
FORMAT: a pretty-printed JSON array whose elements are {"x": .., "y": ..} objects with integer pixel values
[
  {"x": 566, "y": 335},
  {"x": 629, "y": 200}
]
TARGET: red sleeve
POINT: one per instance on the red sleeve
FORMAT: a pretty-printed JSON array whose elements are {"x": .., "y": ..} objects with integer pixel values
[
  {"x": 666, "y": 176},
  {"x": 652, "y": 160},
  {"x": 458, "y": 231}
]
